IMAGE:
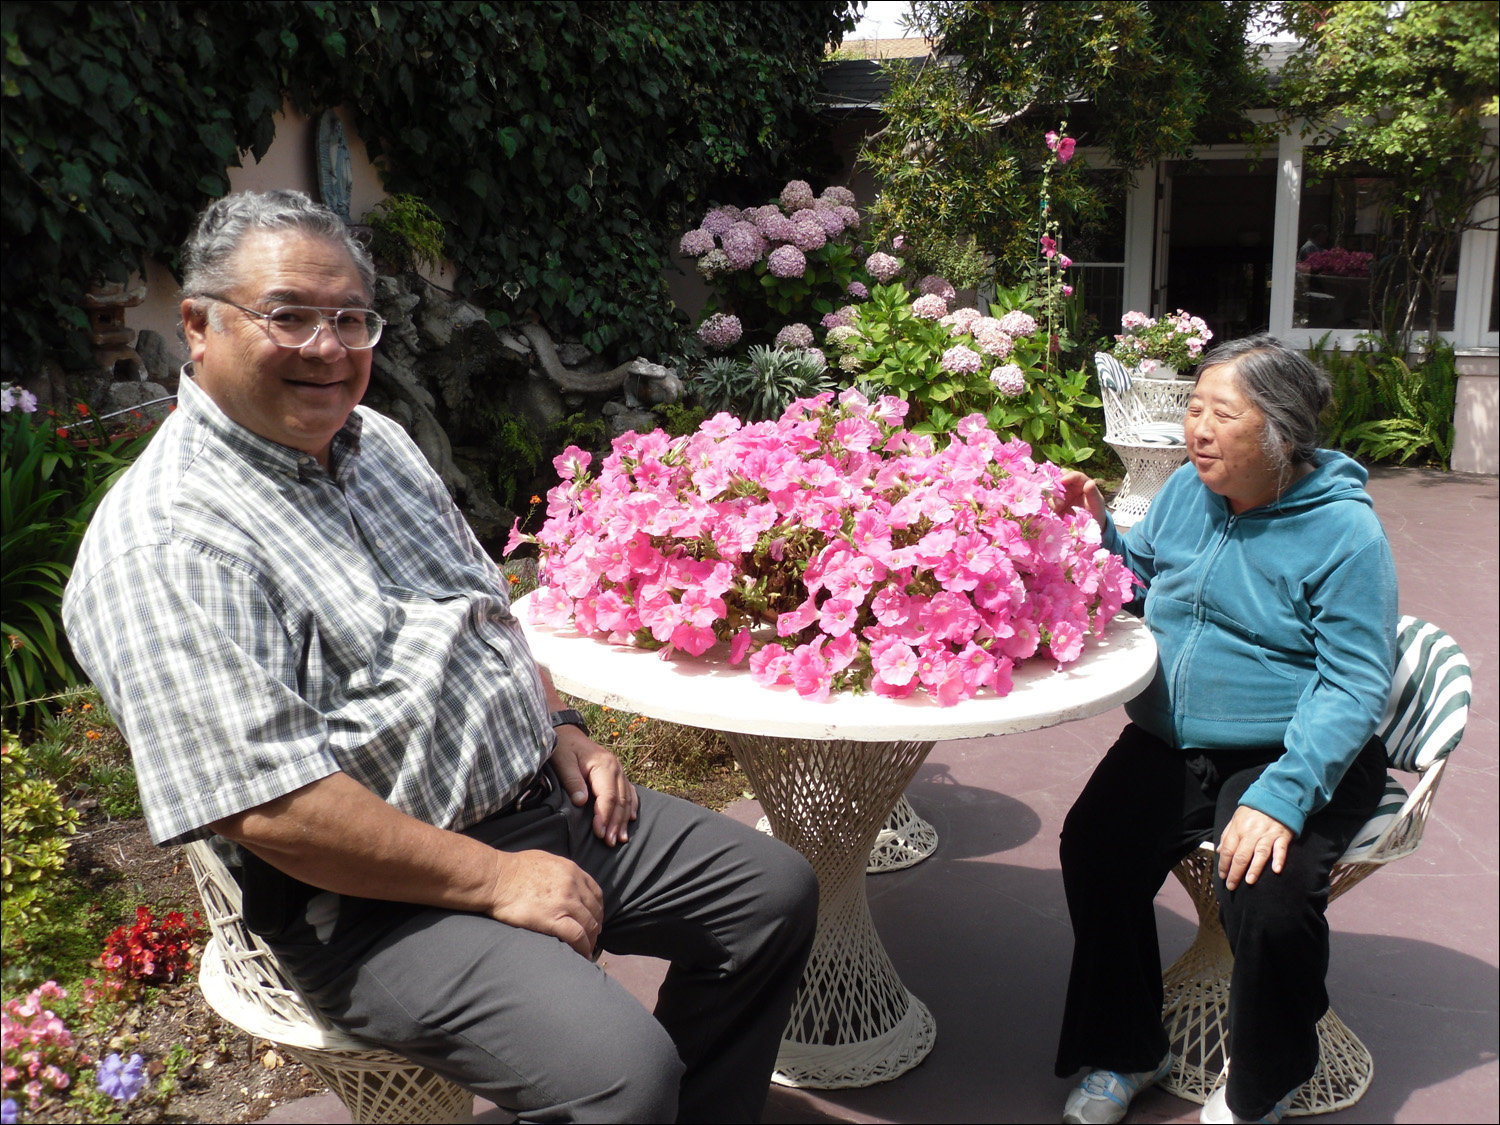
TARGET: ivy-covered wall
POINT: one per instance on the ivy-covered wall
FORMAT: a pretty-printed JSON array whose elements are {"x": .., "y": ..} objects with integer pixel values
[{"x": 563, "y": 144}]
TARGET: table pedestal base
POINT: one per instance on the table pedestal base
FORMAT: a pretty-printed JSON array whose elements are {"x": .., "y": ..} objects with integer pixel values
[
  {"x": 853, "y": 1023},
  {"x": 904, "y": 840}
]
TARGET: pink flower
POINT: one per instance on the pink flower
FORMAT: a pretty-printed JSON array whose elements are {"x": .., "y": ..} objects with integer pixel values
[
  {"x": 939, "y": 286},
  {"x": 929, "y": 307},
  {"x": 720, "y": 330},
  {"x": 1068, "y": 292},
  {"x": 961, "y": 360},
  {"x": 696, "y": 242},
  {"x": 1049, "y": 246},
  {"x": 739, "y": 646},
  {"x": 1064, "y": 261},
  {"x": 1017, "y": 323},
  {"x": 858, "y": 290},
  {"x": 898, "y": 242},
  {"x": 1008, "y": 380},
  {"x": 882, "y": 266},
  {"x": 797, "y": 195},
  {"x": 1065, "y": 149},
  {"x": 787, "y": 261},
  {"x": 794, "y": 335}
]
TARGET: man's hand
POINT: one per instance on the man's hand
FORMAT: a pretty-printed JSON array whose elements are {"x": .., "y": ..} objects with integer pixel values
[
  {"x": 1079, "y": 490},
  {"x": 549, "y": 894},
  {"x": 584, "y": 767},
  {"x": 1250, "y": 839}
]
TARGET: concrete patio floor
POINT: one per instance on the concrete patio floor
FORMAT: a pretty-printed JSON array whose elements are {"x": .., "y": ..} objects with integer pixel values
[{"x": 980, "y": 930}]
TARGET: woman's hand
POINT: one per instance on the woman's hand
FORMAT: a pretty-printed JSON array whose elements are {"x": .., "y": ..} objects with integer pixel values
[
  {"x": 1250, "y": 838},
  {"x": 1078, "y": 489}
]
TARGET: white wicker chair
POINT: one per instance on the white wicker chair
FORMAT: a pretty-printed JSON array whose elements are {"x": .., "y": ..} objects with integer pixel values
[
  {"x": 1143, "y": 425},
  {"x": 241, "y": 981},
  {"x": 1423, "y": 722}
]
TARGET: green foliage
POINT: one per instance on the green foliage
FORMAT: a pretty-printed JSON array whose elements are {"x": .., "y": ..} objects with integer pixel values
[
  {"x": 34, "y": 826},
  {"x": 517, "y": 449},
  {"x": 1384, "y": 409},
  {"x": 961, "y": 153},
  {"x": 679, "y": 420},
  {"x": 559, "y": 143},
  {"x": 49, "y": 488},
  {"x": 81, "y": 751},
  {"x": 406, "y": 233},
  {"x": 763, "y": 384},
  {"x": 1407, "y": 92}
]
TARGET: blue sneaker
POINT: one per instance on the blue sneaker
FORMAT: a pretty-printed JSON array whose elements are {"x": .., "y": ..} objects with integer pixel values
[{"x": 1104, "y": 1095}]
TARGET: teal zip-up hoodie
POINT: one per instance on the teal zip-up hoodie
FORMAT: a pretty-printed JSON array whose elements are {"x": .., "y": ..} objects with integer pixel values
[{"x": 1274, "y": 626}]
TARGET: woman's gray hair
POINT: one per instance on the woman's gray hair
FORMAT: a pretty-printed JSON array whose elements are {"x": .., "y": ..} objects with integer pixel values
[
  {"x": 1285, "y": 386},
  {"x": 208, "y": 253}
]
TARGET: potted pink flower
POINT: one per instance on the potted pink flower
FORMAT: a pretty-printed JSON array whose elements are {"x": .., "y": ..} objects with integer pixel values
[
  {"x": 832, "y": 549},
  {"x": 1161, "y": 347}
]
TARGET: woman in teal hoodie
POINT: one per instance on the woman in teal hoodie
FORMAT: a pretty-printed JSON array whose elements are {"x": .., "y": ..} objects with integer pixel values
[{"x": 1269, "y": 586}]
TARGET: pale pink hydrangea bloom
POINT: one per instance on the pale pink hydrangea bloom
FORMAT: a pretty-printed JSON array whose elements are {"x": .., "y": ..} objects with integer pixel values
[
  {"x": 882, "y": 266},
  {"x": 961, "y": 321},
  {"x": 991, "y": 337},
  {"x": 929, "y": 307},
  {"x": 808, "y": 232},
  {"x": 859, "y": 290},
  {"x": 961, "y": 360},
  {"x": 744, "y": 245},
  {"x": 1009, "y": 380},
  {"x": 720, "y": 219},
  {"x": 1017, "y": 323}
]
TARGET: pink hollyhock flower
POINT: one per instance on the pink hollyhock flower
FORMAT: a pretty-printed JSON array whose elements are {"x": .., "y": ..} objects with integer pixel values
[
  {"x": 1065, "y": 149},
  {"x": 1049, "y": 246},
  {"x": 1064, "y": 261},
  {"x": 1068, "y": 292}
]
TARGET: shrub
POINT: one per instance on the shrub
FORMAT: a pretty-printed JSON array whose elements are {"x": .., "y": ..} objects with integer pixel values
[
  {"x": 1383, "y": 408},
  {"x": 34, "y": 826},
  {"x": 406, "y": 233},
  {"x": 763, "y": 384}
]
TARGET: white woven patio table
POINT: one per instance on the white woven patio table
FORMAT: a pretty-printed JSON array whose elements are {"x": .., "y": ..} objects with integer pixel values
[{"x": 827, "y": 775}]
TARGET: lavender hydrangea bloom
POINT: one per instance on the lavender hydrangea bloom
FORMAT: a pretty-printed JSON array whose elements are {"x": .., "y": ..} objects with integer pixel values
[
  {"x": 744, "y": 245},
  {"x": 787, "y": 261},
  {"x": 859, "y": 289},
  {"x": 831, "y": 221},
  {"x": 839, "y": 195},
  {"x": 794, "y": 335},
  {"x": 941, "y": 286},
  {"x": 961, "y": 360},
  {"x": 808, "y": 232},
  {"x": 122, "y": 1080},
  {"x": 929, "y": 307},
  {"x": 835, "y": 319},
  {"x": 715, "y": 261},
  {"x": 1016, "y": 323},
  {"x": 1008, "y": 380},
  {"x": 696, "y": 243},
  {"x": 721, "y": 219},
  {"x": 720, "y": 330},
  {"x": 882, "y": 266},
  {"x": 796, "y": 195}
]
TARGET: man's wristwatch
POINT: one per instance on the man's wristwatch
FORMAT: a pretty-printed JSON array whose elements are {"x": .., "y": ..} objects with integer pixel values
[{"x": 569, "y": 718}]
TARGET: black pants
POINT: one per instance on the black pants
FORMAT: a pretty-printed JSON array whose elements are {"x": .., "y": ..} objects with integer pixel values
[
  {"x": 1146, "y": 806},
  {"x": 524, "y": 1020}
]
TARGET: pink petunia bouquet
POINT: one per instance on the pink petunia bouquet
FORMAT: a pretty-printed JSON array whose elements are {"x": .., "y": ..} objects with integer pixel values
[{"x": 832, "y": 548}]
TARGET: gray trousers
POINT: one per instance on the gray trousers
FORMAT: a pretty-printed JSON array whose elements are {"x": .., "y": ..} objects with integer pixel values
[{"x": 522, "y": 1019}]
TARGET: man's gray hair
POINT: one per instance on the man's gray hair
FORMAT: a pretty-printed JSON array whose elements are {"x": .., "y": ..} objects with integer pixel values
[
  {"x": 208, "y": 253},
  {"x": 1285, "y": 386}
]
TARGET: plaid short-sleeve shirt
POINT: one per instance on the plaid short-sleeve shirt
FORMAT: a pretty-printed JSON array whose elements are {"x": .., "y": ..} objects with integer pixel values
[{"x": 256, "y": 623}]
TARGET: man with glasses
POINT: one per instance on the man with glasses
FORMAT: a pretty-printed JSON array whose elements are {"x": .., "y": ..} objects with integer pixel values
[{"x": 311, "y": 656}]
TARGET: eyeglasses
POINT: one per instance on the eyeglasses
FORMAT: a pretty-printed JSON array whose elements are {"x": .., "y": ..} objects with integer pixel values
[{"x": 296, "y": 326}]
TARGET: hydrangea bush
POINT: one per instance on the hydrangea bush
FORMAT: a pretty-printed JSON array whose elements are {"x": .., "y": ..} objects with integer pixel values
[
  {"x": 796, "y": 258},
  {"x": 832, "y": 548}
]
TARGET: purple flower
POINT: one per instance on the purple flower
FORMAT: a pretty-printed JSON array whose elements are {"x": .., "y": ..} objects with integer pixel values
[
  {"x": 7, "y": 400},
  {"x": 841, "y": 196},
  {"x": 9, "y": 1114},
  {"x": 835, "y": 319},
  {"x": 1008, "y": 380},
  {"x": 720, "y": 330},
  {"x": 743, "y": 245},
  {"x": 794, "y": 335},
  {"x": 830, "y": 220},
  {"x": 696, "y": 243},
  {"x": 932, "y": 283},
  {"x": 787, "y": 261},
  {"x": 121, "y": 1080},
  {"x": 797, "y": 195},
  {"x": 850, "y": 217},
  {"x": 882, "y": 266},
  {"x": 807, "y": 231},
  {"x": 721, "y": 219},
  {"x": 898, "y": 242},
  {"x": 961, "y": 360},
  {"x": 859, "y": 290},
  {"x": 1017, "y": 323},
  {"x": 929, "y": 306}
]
